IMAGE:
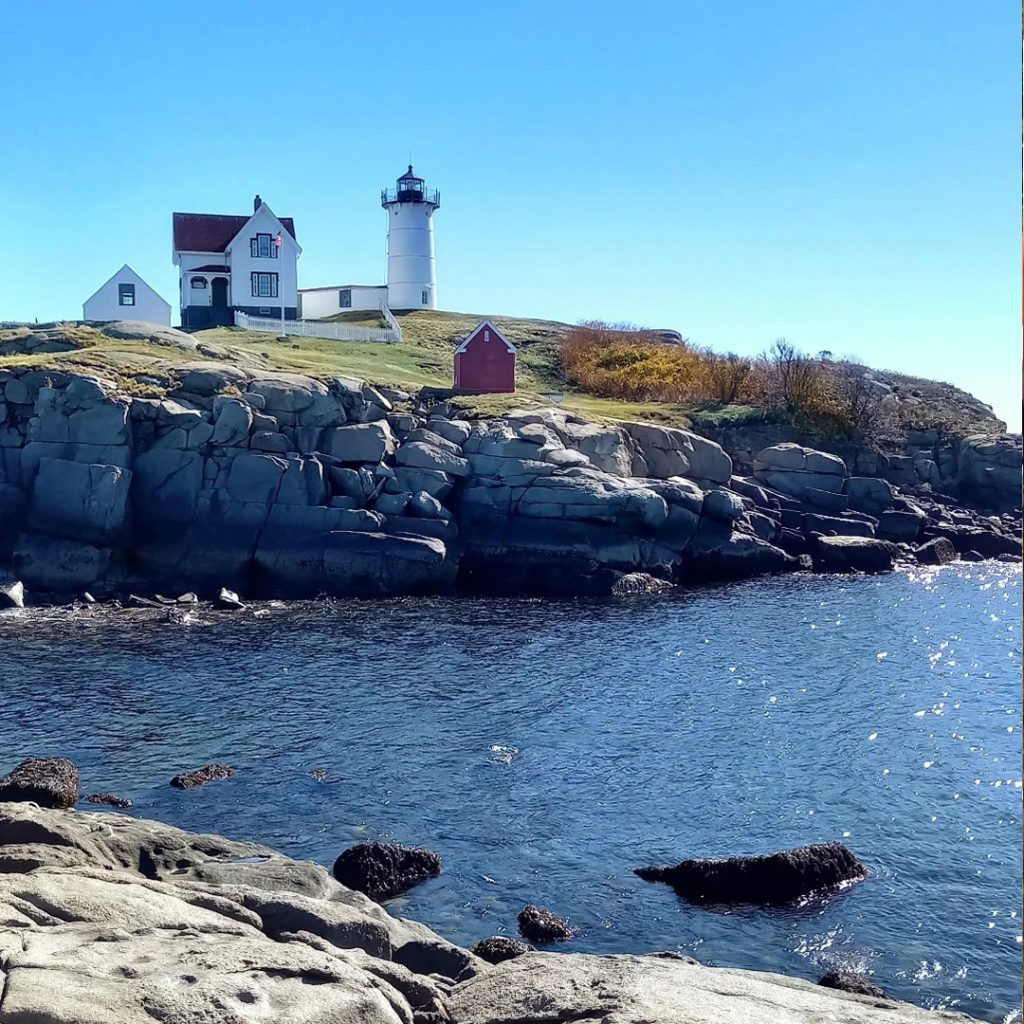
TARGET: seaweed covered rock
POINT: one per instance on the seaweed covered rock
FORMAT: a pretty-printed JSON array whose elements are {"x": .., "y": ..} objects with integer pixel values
[
  {"x": 769, "y": 880},
  {"x": 848, "y": 981},
  {"x": 383, "y": 870},
  {"x": 109, "y": 799},
  {"x": 540, "y": 925},
  {"x": 47, "y": 781},
  {"x": 201, "y": 776},
  {"x": 639, "y": 583},
  {"x": 498, "y": 948}
]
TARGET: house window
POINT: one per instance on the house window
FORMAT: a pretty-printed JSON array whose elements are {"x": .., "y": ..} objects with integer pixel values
[
  {"x": 262, "y": 247},
  {"x": 423, "y": 298},
  {"x": 198, "y": 282},
  {"x": 126, "y": 295},
  {"x": 345, "y": 298},
  {"x": 264, "y": 285}
]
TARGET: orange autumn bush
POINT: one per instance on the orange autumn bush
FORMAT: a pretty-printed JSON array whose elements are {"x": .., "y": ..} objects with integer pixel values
[{"x": 626, "y": 362}]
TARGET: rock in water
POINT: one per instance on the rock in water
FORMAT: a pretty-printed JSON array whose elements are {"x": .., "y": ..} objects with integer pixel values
[
  {"x": 499, "y": 948},
  {"x": 12, "y": 595},
  {"x": 854, "y": 554},
  {"x": 540, "y": 925},
  {"x": 47, "y": 781},
  {"x": 229, "y": 600},
  {"x": 383, "y": 870},
  {"x": 201, "y": 776},
  {"x": 769, "y": 880},
  {"x": 848, "y": 981},
  {"x": 110, "y": 799},
  {"x": 639, "y": 583},
  {"x": 937, "y": 551}
]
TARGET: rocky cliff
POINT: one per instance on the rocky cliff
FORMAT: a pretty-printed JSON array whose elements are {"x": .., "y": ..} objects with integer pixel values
[
  {"x": 113, "y": 920},
  {"x": 278, "y": 484}
]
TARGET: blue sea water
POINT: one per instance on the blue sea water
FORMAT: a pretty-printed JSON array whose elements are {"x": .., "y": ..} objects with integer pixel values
[{"x": 545, "y": 749}]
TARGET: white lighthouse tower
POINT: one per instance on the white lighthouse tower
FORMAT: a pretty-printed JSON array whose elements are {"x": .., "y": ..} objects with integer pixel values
[{"x": 412, "y": 282}]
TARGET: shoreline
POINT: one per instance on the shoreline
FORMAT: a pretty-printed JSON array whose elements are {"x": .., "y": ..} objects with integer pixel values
[{"x": 265, "y": 484}]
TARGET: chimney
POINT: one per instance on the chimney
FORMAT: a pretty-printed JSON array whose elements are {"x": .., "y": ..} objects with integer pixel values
[{"x": 257, "y": 202}]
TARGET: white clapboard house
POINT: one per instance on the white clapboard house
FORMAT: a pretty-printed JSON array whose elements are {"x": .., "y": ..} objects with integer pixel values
[
  {"x": 125, "y": 296},
  {"x": 233, "y": 263}
]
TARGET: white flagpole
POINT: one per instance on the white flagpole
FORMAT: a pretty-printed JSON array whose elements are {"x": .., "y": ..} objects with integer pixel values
[{"x": 280, "y": 297}]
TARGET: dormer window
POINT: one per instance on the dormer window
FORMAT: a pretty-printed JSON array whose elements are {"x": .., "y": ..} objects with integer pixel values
[
  {"x": 126, "y": 295},
  {"x": 262, "y": 247}
]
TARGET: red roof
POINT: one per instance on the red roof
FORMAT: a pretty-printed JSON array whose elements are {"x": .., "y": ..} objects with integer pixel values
[{"x": 212, "y": 232}]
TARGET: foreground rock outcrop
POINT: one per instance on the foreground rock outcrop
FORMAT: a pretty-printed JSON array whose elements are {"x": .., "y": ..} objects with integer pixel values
[
  {"x": 113, "y": 920},
  {"x": 250, "y": 482}
]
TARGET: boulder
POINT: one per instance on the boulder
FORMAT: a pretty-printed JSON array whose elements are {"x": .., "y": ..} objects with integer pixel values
[
  {"x": 769, "y": 880},
  {"x": 393, "y": 504},
  {"x": 234, "y": 419},
  {"x": 540, "y": 925},
  {"x": 639, "y": 583},
  {"x": 435, "y": 483},
  {"x": 423, "y": 505},
  {"x": 668, "y": 452},
  {"x": 228, "y": 600},
  {"x": 720, "y": 553},
  {"x": 79, "y": 501},
  {"x": 499, "y": 948},
  {"x": 900, "y": 526},
  {"x": 255, "y": 478},
  {"x": 359, "y": 442},
  {"x": 868, "y": 494},
  {"x": 420, "y": 455},
  {"x": 832, "y": 526},
  {"x": 800, "y": 472},
  {"x": 158, "y": 334},
  {"x": 12, "y": 594},
  {"x": 853, "y": 554},
  {"x": 848, "y": 981},
  {"x": 364, "y": 563},
  {"x": 47, "y": 781},
  {"x": 201, "y": 776},
  {"x": 937, "y": 551},
  {"x": 722, "y": 505},
  {"x": 456, "y": 431},
  {"x": 384, "y": 870}
]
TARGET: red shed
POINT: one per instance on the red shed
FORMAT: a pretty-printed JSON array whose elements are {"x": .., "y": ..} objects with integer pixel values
[{"x": 485, "y": 361}]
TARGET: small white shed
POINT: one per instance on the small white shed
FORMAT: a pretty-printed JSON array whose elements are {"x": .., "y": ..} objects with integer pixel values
[{"x": 126, "y": 297}]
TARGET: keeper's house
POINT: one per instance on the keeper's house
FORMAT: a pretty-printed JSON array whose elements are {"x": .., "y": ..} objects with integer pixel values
[{"x": 235, "y": 263}]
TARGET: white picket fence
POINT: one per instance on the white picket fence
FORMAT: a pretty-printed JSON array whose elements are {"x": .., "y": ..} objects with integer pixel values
[{"x": 329, "y": 329}]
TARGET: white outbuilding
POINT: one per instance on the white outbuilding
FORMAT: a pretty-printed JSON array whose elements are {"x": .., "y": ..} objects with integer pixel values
[{"x": 125, "y": 296}]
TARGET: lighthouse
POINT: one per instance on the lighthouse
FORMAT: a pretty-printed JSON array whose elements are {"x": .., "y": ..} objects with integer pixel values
[{"x": 412, "y": 282}]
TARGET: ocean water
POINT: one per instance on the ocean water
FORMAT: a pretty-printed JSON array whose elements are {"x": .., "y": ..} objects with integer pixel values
[{"x": 547, "y": 748}]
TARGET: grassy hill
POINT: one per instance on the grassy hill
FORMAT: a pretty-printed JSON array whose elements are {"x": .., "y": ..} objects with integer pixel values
[{"x": 424, "y": 359}]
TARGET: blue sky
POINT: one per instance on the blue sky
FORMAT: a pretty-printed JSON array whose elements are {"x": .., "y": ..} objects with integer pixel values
[{"x": 845, "y": 174}]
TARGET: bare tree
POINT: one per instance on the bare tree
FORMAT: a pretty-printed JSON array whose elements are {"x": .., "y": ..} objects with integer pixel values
[{"x": 726, "y": 376}]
